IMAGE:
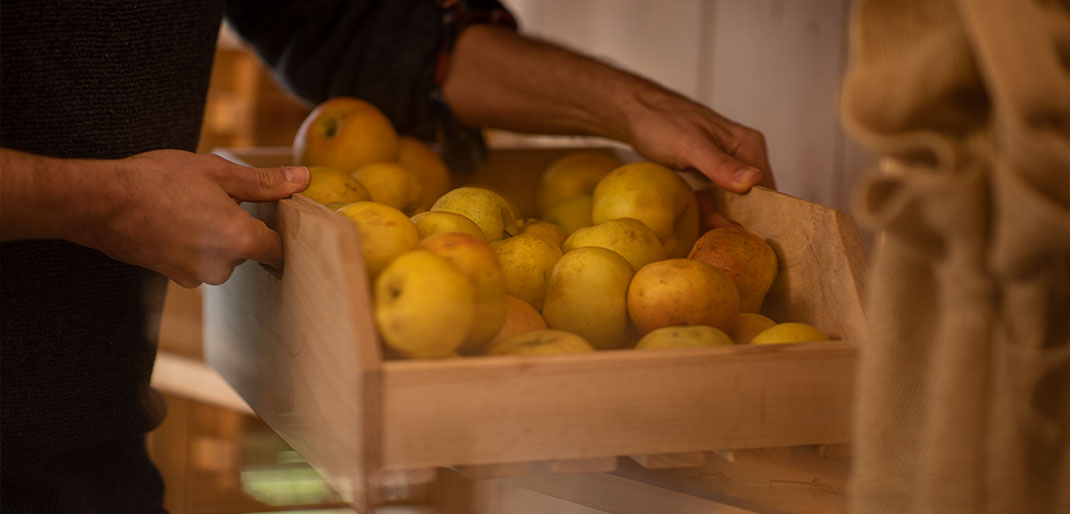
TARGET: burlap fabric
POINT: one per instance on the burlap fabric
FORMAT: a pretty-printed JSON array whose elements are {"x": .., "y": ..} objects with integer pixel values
[{"x": 963, "y": 403}]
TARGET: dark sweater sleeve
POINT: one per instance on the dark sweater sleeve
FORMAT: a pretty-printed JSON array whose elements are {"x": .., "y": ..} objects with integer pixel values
[{"x": 388, "y": 52}]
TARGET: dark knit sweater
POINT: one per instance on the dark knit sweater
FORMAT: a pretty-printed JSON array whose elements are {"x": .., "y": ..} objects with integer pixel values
[{"x": 110, "y": 79}]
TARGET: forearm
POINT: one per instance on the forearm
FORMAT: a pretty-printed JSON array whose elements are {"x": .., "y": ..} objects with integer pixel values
[
  {"x": 44, "y": 197},
  {"x": 500, "y": 79}
]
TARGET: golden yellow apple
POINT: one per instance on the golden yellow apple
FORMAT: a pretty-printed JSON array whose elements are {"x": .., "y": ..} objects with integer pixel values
[
  {"x": 475, "y": 259},
  {"x": 488, "y": 209},
  {"x": 627, "y": 236},
  {"x": 681, "y": 292},
  {"x": 572, "y": 214},
  {"x": 429, "y": 223},
  {"x": 540, "y": 342},
  {"x": 550, "y": 231},
  {"x": 748, "y": 325},
  {"x": 789, "y": 333},
  {"x": 422, "y": 161},
  {"x": 587, "y": 295},
  {"x": 384, "y": 232},
  {"x": 331, "y": 185},
  {"x": 654, "y": 195},
  {"x": 573, "y": 174},
  {"x": 345, "y": 133},
  {"x": 424, "y": 307},
  {"x": 693, "y": 336},
  {"x": 746, "y": 258},
  {"x": 520, "y": 317},
  {"x": 528, "y": 261},
  {"x": 388, "y": 183}
]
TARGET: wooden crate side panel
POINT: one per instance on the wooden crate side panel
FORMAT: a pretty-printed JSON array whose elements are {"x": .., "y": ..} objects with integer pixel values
[
  {"x": 822, "y": 262},
  {"x": 288, "y": 344},
  {"x": 507, "y": 409}
]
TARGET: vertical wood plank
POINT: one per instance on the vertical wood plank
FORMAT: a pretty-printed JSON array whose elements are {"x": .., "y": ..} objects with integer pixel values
[
  {"x": 777, "y": 66},
  {"x": 659, "y": 40},
  {"x": 168, "y": 447}
]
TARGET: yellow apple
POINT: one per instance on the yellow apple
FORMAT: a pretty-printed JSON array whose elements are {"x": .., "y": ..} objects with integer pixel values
[
  {"x": 745, "y": 257},
  {"x": 748, "y": 325},
  {"x": 789, "y": 333},
  {"x": 475, "y": 259},
  {"x": 489, "y": 210},
  {"x": 587, "y": 295},
  {"x": 527, "y": 261},
  {"x": 540, "y": 342},
  {"x": 422, "y": 161},
  {"x": 332, "y": 185},
  {"x": 384, "y": 232},
  {"x": 694, "y": 336},
  {"x": 388, "y": 183},
  {"x": 572, "y": 214},
  {"x": 430, "y": 223},
  {"x": 424, "y": 307},
  {"x": 573, "y": 174},
  {"x": 520, "y": 317},
  {"x": 627, "y": 236},
  {"x": 550, "y": 231},
  {"x": 682, "y": 292},
  {"x": 345, "y": 133},
  {"x": 654, "y": 195}
]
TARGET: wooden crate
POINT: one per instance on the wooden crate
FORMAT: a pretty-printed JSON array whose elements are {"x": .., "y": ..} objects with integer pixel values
[{"x": 301, "y": 349}]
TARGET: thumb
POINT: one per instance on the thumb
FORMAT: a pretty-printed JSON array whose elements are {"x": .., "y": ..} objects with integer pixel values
[
  {"x": 728, "y": 172},
  {"x": 263, "y": 184}
]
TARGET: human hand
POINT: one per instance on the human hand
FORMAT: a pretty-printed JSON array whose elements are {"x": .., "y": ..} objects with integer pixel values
[
  {"x": 680, "y": 133},
  {"x": 177, "y": 213}
]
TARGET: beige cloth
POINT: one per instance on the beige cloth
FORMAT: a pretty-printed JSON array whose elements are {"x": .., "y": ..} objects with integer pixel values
[{"x": 963, "y": 403}]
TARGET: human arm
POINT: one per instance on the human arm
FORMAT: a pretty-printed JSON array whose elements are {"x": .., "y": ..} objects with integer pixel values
[
  {"x": 171, "y": 211},
  {"x": 498, "y": 78}
]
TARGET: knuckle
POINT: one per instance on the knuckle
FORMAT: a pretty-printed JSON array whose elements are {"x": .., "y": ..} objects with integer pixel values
[
  {"x": 243, "y": 244},
  {"x": 236, "y": 237},
  {"x": 753, "y": 137},
  {"x": 266, "y": 178}
]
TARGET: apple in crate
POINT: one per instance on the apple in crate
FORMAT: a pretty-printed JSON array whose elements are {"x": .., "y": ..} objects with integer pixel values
[
  {"x": 693, "y": 336},
  {"x": 345, "y": 133},
  {"x": 429, "y": 223},
  {"x": 745, "y": 257},
  {"x": 528, "y": 261},
  {"x": 682, "y": 292},
  {"x": 654, "y": 195},
  {"x": 490, "y": 212},
  {"x": 627, "y": 236},
  {"x": 416, "y": 323},
  {"x": 475, "y": 259},
  {"x": 573, "y": 174},
  {"x": 587, "y": 295}
]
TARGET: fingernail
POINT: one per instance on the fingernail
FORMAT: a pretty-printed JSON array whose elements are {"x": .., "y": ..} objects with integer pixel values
[
  {"x": 297, "y": 175},
  {"x": 748, "y": 176}
]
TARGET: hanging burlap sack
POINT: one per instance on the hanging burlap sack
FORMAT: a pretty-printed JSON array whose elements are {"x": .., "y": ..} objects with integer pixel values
[{"x": 963, "y": 404}]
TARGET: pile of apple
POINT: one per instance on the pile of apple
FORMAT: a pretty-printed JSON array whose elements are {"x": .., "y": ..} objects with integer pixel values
[{"x": 614, "y": 260}]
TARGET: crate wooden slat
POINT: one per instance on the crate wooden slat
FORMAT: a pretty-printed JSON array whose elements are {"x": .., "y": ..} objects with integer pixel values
[
  {"x": 485, "y": 410},
  {"x": 286, "y": 345},
  {"x": 300, "y": 348}
]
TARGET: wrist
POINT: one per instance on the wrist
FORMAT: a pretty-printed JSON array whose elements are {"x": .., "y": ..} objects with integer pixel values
[{"x": 50, "y": 198}]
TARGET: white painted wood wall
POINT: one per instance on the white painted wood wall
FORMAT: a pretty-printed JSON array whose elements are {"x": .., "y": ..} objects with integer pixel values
[{"x": 775, "y": 65}]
